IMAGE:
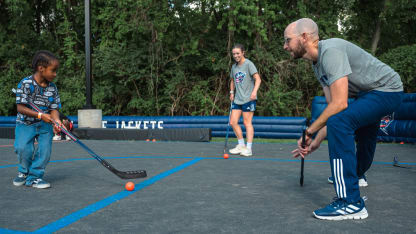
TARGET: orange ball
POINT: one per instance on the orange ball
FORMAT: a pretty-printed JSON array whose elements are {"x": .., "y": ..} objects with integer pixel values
[
  {"x": 130, "y": 186},
  {"x": 225, "y": 156},
  {"x": 147, "y": 139},
  {"x": 154, "y": 140}
]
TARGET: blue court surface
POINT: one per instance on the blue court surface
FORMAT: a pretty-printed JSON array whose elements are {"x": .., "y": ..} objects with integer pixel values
[{"x": 190, "y": 188}]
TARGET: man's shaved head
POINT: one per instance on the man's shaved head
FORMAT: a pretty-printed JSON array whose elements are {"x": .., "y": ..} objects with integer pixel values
[
  {"x": 299, "y": 36},
  {"x": 306, "y": 25}
]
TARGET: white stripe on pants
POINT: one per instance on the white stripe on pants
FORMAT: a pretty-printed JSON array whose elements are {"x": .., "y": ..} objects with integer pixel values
[{"x": 339, "y": 178}]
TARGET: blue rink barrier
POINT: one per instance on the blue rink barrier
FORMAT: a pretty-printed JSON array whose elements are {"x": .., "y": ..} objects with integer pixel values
[
  {"x": 400, "y": 126},
  {"x": 264, "y": 127}
]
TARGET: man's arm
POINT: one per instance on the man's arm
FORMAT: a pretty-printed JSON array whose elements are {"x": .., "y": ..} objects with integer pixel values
[
  {"x": 327, "y": 94},
  {"x": 338, "y": 101}
]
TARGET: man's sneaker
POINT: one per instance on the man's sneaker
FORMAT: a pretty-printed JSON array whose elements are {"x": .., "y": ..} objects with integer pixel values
[
  {"x": 237, "y": 150},
  {"x": 20, "y": 179},
  {"x": 362, "y": 181},
  {"x": 38, "y": 183},
  {"x": 340, "y": 210},
  {"x": 246, "y": 152}
]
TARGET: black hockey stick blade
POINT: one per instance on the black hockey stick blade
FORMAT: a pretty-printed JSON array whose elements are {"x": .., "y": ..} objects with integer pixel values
[
  {"x": 124, "y": 174},
  {"x": 302, "y": 163},
  {"x": 120, "y": 174}
]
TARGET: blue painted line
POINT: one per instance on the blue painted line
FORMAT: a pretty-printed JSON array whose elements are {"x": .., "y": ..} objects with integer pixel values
[
  {"x": 188, "y": 157},
  {"x": 74, "y": 217},
  {"x": 86, "y": 159},
  {"x": 7, "y": 166},
  {"x": 153, "y": 156},
  {"x": 271, "y": 159},
  {"x": 7, "y": 231}
]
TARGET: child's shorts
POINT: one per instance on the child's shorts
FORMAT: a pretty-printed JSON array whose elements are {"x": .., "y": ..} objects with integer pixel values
[{"x": 246, "y": 107}]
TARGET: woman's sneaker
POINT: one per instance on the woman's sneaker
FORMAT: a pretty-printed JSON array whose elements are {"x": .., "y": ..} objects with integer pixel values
[
  {"x": 246, "y": 152},
  {"x": 20, "y": 179},
  {"x": 38, "y": 183},
  {"x": 340, "y": 210},
  {"x": 362, "y": 181},
  {"x": 238, "y": 149}
]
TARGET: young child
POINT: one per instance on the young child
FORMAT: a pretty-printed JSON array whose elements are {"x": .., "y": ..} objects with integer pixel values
[{"x": 30, "y": 125}]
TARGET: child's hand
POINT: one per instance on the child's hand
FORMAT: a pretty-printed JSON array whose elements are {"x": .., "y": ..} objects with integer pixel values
[
  {"x": 57, "y": 126},
  {"x": 47, "y": 118},
  {"x": 66, "y": 124}
]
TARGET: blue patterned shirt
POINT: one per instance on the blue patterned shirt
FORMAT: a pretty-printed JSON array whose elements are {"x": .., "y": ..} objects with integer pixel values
[{"x": 46, "y": 98}]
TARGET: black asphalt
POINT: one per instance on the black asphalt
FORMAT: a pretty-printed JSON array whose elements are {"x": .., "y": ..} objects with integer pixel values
[{"x": 190, "y": 188}]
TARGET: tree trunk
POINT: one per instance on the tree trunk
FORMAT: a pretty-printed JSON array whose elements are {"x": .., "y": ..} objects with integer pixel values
[{"x": 377, "y": 32}]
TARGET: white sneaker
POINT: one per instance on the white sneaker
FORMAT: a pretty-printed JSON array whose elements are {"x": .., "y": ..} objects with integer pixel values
[
  {"x": 56, "y": 138},
  {"x": 38, "y": 183},
  {"x": 237, "y": 150},
  {"x": 246, "y": 152},
  {"x": 362, "y": 182}
]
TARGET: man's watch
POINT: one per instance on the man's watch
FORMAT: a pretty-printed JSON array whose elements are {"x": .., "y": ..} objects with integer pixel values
[{"x": 231, "y": 92}]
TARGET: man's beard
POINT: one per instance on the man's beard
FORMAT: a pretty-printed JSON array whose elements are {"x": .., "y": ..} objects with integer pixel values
[{"x": 299, "y": 52}]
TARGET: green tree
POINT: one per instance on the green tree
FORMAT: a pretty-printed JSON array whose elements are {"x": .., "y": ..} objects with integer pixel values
[{"x": 173, "y": 57}]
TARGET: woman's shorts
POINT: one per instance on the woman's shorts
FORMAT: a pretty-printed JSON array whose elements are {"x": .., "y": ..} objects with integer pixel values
[{"x": 246, "y": 107}]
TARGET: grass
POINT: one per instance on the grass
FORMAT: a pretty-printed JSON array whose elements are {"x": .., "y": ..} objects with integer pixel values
[{"x": 256, "y": 140}]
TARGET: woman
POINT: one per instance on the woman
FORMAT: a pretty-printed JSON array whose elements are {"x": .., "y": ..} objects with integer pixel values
[{"x": 244, "y": 84}]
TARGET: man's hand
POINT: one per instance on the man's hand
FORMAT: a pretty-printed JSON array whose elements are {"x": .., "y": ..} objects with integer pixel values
[
  {"x": 315, "y": 144},
  {"x": 300, "y": 151}
]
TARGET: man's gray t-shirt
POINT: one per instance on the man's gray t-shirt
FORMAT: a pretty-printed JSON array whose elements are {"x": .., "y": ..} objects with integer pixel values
[
  {"x": 338, "y": 58},
  {"x": 243, "y": 81}
]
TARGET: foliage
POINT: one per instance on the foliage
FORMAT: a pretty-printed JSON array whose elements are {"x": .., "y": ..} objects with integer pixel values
[
  {"x": 397, "y": 18},
  {"x": 173, "y": 57},
  {"x": 402, "y": 60}
]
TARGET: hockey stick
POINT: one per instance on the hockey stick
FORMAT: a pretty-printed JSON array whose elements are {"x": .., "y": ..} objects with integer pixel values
[
  {"x": 228, "y": 127},
  {"x": 302, "y": 162},
  {"x": 121, "y": 174}
]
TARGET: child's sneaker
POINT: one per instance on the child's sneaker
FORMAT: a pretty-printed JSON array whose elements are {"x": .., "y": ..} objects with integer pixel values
[
  {"x": 340, "y": 210},
  {"x": 237, "y": 150},
  {"x": 38, "y": 183},
  {"x": 246, "y": 152},
  {"x": 20, "y": 179},
  {"x": 362, "y": 181}
]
